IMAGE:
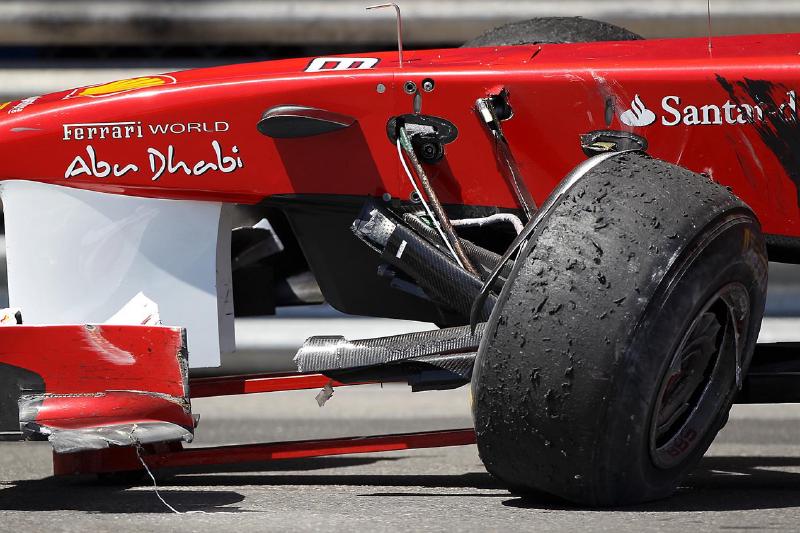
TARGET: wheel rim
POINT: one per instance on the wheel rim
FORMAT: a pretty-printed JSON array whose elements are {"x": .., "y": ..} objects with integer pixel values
[{"x": 700, "y": 376}]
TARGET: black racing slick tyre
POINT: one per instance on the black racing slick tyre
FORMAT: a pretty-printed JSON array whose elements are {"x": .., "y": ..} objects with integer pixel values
[
  {"x": 613, "y": 354},
  {"x": 552, "y": 30}
]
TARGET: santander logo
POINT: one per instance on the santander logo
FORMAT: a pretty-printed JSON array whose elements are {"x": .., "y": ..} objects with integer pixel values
[
  {"x": 638, "y": 114},
  {"x": 674, "y": 111}
]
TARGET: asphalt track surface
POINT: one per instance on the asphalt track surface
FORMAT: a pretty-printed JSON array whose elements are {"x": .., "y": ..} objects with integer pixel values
[{"x": 750, "y": 478}]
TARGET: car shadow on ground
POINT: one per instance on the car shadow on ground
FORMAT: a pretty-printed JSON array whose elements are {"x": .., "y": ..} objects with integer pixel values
[
  {"x": 54, "y": 494},
  {"x": 717, "y": 484},
  {"x": 113, "y": 494}
]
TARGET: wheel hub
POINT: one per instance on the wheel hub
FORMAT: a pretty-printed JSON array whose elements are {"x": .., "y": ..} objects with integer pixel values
[{"x": 701, "y": 373}]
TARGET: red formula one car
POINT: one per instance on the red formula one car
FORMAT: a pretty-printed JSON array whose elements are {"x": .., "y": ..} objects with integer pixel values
[{"x": 586, "y": 215}]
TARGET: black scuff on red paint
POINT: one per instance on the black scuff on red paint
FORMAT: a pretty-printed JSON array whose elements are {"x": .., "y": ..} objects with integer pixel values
[{"x": 778, "y": 130}]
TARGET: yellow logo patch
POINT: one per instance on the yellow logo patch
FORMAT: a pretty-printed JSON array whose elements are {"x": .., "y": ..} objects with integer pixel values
[{"x": 122, "y": 86}]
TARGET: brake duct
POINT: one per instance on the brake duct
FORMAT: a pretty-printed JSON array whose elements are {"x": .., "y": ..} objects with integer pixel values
[
  {"x": 484, "y": 260},
  {"x": 441, "y": 279}
]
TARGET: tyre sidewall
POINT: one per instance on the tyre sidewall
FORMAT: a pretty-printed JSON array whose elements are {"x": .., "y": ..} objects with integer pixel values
[{"x": 630, "y": 473}]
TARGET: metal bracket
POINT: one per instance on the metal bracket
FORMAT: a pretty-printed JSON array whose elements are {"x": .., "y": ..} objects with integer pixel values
[
  {"x": 492, "y": 110},
  {"x": 601, "y": 141}
]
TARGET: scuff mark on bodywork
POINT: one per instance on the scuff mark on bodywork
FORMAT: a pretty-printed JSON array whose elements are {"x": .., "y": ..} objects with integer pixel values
[
  {"x": 113, "y": 353},
  {"x": 608, "y": 95},
  {"x": 776, "y": 122}
]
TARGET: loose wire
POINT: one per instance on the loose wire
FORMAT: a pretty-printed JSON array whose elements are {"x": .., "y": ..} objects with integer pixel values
[{"x": 425, "y": 204}]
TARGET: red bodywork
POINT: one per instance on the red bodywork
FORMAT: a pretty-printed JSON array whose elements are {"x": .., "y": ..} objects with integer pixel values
[
  {"x": 91, "y": 385},
  {"x": 729, "y": 111},
  {"x": 557, "y": 92}
]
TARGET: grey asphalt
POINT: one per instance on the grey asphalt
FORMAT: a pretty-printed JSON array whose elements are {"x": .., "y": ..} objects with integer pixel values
[{"x": 750, "y": 479}]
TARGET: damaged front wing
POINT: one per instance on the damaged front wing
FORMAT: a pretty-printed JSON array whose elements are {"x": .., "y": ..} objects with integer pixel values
[{"x": 86, "y": 387}]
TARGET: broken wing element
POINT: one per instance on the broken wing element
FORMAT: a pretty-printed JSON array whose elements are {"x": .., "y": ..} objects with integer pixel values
[{"x": 87, "y": 387}]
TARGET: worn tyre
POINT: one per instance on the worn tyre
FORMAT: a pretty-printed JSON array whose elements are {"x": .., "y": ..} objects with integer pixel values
[
  {"x": 613, "y": 354},
  {"x": 552, "y": 30}
]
